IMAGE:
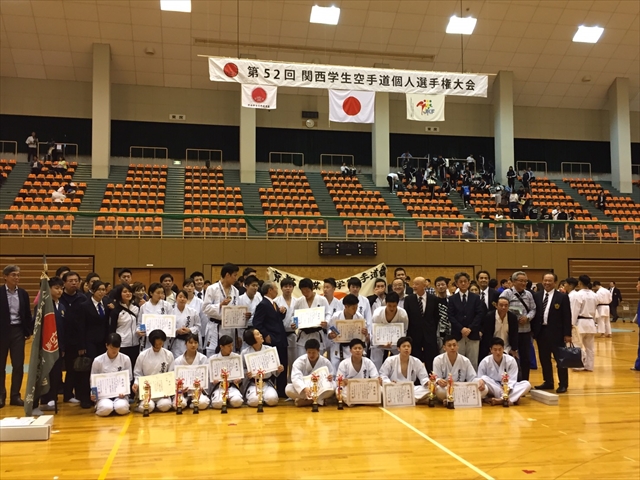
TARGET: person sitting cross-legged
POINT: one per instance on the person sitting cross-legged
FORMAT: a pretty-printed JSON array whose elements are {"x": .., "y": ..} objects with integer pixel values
[{"x": 304, "y": 366}]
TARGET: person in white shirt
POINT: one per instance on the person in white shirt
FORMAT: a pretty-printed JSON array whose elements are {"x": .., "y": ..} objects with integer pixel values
[
  {"x": 339, "y": 351},
  {"x": 406, "y": 368},
  {"x": 110, "y": 362},
  {"x": 492, "y": 368},
  {"x": 287, "y": 301},
  {"x": 217, "y": 296},
  {"x": 390, "y": 313},
  {"x": 187, "y": 323},
  {"x": 32, "y": 143},
  {"x": 364, "y": 307},
  {"x": 602, "y": 312},
  {"x": 253, "y": 338},
  {"x": 328, "y": 290},
  {"x": 584, "y": 307},
  {"x": 378, "y": 299},
  {"x": 156, "y": 306},
  {"x": 468, "y": 231},
  {"x": 250, "y": 299},
  {"x": 153, "y": 361},
  {"x": 310, "y": 299},
  {"x": 399, "y": 287},
  {"x": 393, "y": 181},
  {"x": 196, "y": 303},
  {"x": 304, "y": 366},
  {"x": 234, "y": 395},
  {"x": 459, "y": 366},
  {"x": 124, "y": 320},
  {"x": 198, "y": 282},
  {"x": 166, "y": 279},
  {"x": 356, "y": 367},
  {"x": 191, "y": 356}
]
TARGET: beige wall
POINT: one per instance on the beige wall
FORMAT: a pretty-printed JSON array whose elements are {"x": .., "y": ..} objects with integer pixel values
[{"x": 220, "y": 107}]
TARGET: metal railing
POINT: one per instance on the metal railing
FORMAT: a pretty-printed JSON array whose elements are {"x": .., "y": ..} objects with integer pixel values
[
  {"x": 571, "y": 165},
  {"x": 635, "y": 169},
  {"x": 343, "y": 158},
  {"x": 62, "y": 149},
  {"x": 533, "y": 164},
  {"x": 415, "y": 162},
  {"x": 280, "y": 157},
  {"x": 9, "y": 142},
  {"x": 145, "y": 148},
  {"x": 210, "y": 157}
]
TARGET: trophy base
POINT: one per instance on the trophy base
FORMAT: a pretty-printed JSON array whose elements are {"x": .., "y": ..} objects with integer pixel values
[
  {"x": 223, "y": 410},
  {"x": 260, "y": 408},
  {"x": 450, "y": 406},
  {"x": 145, "y": 412},
  {"x": 505, "y": 402},
  {"x": 431, "y": 403},
  {"x": 340, "y": 407},
  {"x": 196, "y": 410},
  {"x": 314, "y": 408},
  {"x": 179, "y": 411}
]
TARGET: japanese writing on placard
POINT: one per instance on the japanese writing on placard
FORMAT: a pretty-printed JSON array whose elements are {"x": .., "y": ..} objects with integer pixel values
[
  {"x": 234, "y": 316},
  {"x": 385, "y": 333},
  {"x": 189, "y": 373},
  {"x": 398, "y": 394},
  {"x": 324, "y": 384},
  {"x": 310, "y": 317},
  {"x": 232, "y": 364},
  {"x": 364, "y": 390},
  {"x": 111, "y": 385},
  {"x": 349, "y": 329},
  {"x": 466, "y": 395},
  {"x": 266, "y": 359},
  {"x": 162, "y": 384},
  {"x": 278, "y": 74},
  {"x": 166, "y": 323}
]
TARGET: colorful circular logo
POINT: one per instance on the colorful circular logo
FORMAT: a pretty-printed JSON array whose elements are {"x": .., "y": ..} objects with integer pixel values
[
  {"x": 351, "y": 106},
  {"x": 230, "y": 70},
  {"x": 258, "y": 95}
]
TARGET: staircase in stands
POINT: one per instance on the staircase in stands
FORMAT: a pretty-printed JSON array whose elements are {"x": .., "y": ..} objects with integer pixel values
[
  {"x": 325, "y": 204},
  {"x": 12, "y": 186},
  {"x": 250, "y": 198},
  {"x": 174, "y": 202}
]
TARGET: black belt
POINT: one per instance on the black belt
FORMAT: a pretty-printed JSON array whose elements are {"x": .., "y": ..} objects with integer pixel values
[
  {"x": 603, "y": 304},
  {"x": 311, "y": 330},
  {"x": 16, "y": 325},
  {"x": 290, "y": 333},
  {"x": 217, "y": 322},
  {"x": 585, "y": 318}
]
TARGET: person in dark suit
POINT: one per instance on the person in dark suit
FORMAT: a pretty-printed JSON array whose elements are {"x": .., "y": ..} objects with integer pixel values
[
  {"x": 378, "y": 299},
  {"x": 465, "y": 314},
  {"x": 71, "y": 300},
  {"x": 400, "y": 273},
  {"x": 616, "y": 298},
  {"x": 488, "y": 296},
  {"x": 268, "y": 319},
  {"x": 16, "y": 325},
  {"x": 500, "y": 323},
  {"x": 551, "y": 328},
  {"x": 422, "y": 310}
]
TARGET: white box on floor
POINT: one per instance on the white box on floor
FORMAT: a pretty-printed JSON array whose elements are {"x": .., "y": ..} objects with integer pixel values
[
  {"x": 545, "y": 397},
  {"x": 16, "y": 429}
]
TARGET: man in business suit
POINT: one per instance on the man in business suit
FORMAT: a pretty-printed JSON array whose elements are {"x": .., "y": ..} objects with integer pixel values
[
  {"x": 488, "y": 296},
  {"x": 268, "y": 319},
  {"x": 616, "y": 298},
  {"x": 402, "y": 275},
  {"x": 378, "y": 299},
  {"x": 16, "y": 325},
  {"x": 465, "y": 314},
  {"x": 552, "y": 329},
  {"x": 422, "y": 310}
]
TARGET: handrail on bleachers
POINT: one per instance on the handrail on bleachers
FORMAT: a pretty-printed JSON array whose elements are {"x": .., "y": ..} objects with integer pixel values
[
  {"x": 64, "y": 148},
  {"x": 571, "y": 171},
  {"x": 10, "y": 142},
  {"x": 344, "y": 158},
  {"x": 635, "y": 167},
  {"x": 201, "y": 158},
  {"x": 282, "y": 155},
  {"x": 400, "y": 160},
  {"x": 144, "y": 148},
  {"x": 533, "y": 164}
]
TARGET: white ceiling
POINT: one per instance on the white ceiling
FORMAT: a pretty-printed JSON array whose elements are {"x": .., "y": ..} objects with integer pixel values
[{"x": 52, "y": 39}]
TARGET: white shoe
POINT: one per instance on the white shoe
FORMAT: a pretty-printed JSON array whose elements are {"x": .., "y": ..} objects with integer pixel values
[
  {"x": 74, "y": 400},
  {"x": 36, "y": 411}
]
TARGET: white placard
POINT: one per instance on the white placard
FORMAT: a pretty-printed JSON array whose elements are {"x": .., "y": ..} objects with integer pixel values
[
  {"x": 162, "y": 385},
  {"x": 233, "y": 316},
  {"x": 349, "y": 329},
  {"x": 266, "y": 360},
  {"x": 190, "y": 372},
  {"x": 233, "y": 365},
  {"x": 398, "y": 394},
  {"x": 324, "y": 385},
  {"x": 364, "y": 391},
  {"x": 166, "y": 323},
  {"x": 310, "y": 317},
  {"x": 111, "y": 385},
  {"x": 466, "y": 395},
  {"x": 385, "y": 333}
]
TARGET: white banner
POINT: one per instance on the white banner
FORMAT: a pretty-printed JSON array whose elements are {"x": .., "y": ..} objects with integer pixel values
[
  {"x": 280, "y": 74},
  {"x": 259, "y": 96},
  {"x": 347, "y": 106},
  {"x": 425, "y": 108},
  {"x": 368, "y": 279}
]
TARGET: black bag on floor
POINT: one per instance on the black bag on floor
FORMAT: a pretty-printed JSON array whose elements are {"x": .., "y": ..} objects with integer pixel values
[{"x": 569, "y": 357}]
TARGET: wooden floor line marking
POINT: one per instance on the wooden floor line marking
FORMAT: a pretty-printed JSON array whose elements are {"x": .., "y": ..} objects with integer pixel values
[
  {"x": 591, "y": 394},
  {"x": 581, "y": 440},
  {"x": 564, "y": 433},
  {"x": 630, "y": 459},
  {"x": 439, "y": 445},
  {"x": 114, "y": 450},
  {"x": 605, "y": 449}
]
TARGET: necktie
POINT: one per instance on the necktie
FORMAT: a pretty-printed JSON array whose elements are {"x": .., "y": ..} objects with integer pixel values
[
  {"x": 421, "y": 305},
  {"x": 544, "y": 304},
  {"x": 275, "y": 307},
  {"x": 200, "y": 295},
  {"x": 100, "y": 310},
  {"x": 464, "y": 298},
  {"x": 482, "y": 297}
]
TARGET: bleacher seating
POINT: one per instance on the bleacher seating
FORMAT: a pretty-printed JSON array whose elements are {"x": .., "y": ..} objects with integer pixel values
[
  {"x": 6, "y": 166},
  {"x": 143, "y": 192},
  {"x": 206, "y": 194},
  {"x": 291, "y": 195},
  {"x": 420, "y": 206},
  {"x": 35, "y": 196},
  {"x": 351, "y": 199}
]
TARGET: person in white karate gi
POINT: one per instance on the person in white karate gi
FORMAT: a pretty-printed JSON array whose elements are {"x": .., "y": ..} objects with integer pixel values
[
  {"x": 304, "y": 366},
  {"x": 340, "y": 351},
  {"x": 218, "y": 295},
  {"x": 459, "y": 366},
  {"x": 187, "y": 323},
  {"x": 109, "y": 362},
  {"x": 234, "y": 395},
  {"x": 310, "y": 299},
  {"x": 250, "y": 299},
  {"x": 195, "y": 302},
  {"x": 253, "y": 338},
  {"x": 153, "y": 361},
  {"x": 406, "y": 368},
  {"x": 364, "y": 307},
  {"x": 390, "y": 313},
  {"x": 584, "y": 305},
  {"x": 491, "y": 369},
  {"x": 287, "y": 301},
  {"x": 355, "y": 367},
  {"x": 191, "y": 356},
  {"x": 602, "y": 312},
  {"x": 156, "y": 305},
  {"x": 328, "y": 289}
]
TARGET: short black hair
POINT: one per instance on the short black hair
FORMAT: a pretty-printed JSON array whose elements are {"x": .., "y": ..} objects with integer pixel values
[
  {"x": 248, "y": 336},
  {"x": 114, "y": 339},
  {"x": 251, "y": 279},
  {"x": 380, "y": 280},
  {"x": 305, "y": 283},
  {"x": 117, "y": 292},
  {"x": 493, "y": 283},
  {"x": 228, "y": 269},
  {"x": 90, "y": 276},
  {"x": 497, "y": 341},
  {"x": 312, "y": 344},
  {"x": 197, "y": 274},
  {"x": 350, "y": 299},
  {"x": 157, "y": 335},
  {"x": 503, "y": 281},
  {"x": 448, "y": 338},
  {"x": 331, "y": 281},
  {"x": 123, "y": 271},
  {"x": 247, "y": 271},
  {"x": 225, "y": 340},
  {"x": 399, "y": 269},
  {"x": 572, "y": 281},
  {"x": 192, "y": 336},
  {"x": 164, "y": 276},
  {"x": 56, "y": 281},
  {"x": 392, "y": 297},
  {"x": 596, "y": 283},
  {"x": 482, "y": 271},
  {"x": 97, "y": 284},
  {"x": 356, "y": 341},
  {"x": 61, "y": 270},
  {"x": 459, "y": 275},
  {"x": 188, "y": 281},
  {"x": 354, "y": 281},
  {"x": 402, "y": 340},
  {"x": 584, "y": 279},
  {"x": 155, "y": 286},
  {"x": 441, "y": 279},
  {"x": 287, "y": 282}
]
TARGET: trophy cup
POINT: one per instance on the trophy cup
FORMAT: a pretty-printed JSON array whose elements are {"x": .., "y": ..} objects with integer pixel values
[
  {"x": 505, "y": 389},
  {"x": 450, "y": 405},
  {"x": 225, "y": 389},
  {"x": 196, "y": 396},
  {"x": 340, "y": 407},
  {"x": 259, "y": 388},
  {"x": 314, "y": 392},
  {"x": 146, "y": 398},
  {"x": 432, "y": 390},
  {"x": 179, "y": 395}
]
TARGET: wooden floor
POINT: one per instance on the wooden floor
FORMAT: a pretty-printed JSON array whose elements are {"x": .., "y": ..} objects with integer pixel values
[{"x": 593, "y": 434}]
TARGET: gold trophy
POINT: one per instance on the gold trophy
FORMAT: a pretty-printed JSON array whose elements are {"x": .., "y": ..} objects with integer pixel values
[
  {"x": 225, "y": 389},
  {"x": 259, "y": 388},
  {"x": 505, "y": 389},
  {"x": 314, "y": 392},
  {"x": 146, "y": 398},
  {"x": 450, "y": 405},
  {"x": 432, "y": 390},
  {"x": 340, "y": 407},
  {"x": 179, "y": 395},
  {"x": 196, "y": 396}
]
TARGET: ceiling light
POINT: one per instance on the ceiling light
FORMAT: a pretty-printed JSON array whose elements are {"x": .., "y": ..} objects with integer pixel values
[
  {"x": 326, "y": 15},
  {"x": 588, "y": 34},
  {"x": 462, "y": 26},
  {"x": 176, "y": 5}
]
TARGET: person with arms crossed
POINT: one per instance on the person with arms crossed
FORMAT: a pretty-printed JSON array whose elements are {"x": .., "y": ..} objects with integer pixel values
[
  {"x": 109, "y": 362},
  {"x": 304, "y": 366},
  {"x": 491, "y": 369}
]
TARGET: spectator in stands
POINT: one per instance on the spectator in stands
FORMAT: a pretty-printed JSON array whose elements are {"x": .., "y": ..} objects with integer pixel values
[
  {"x": 61, "y": 167},
  {"x": 527, "y": 178},
  {"x": 36, "y": 166},
  {"x": 543, "y": 227},
  {"x": 58, "y": 195},
  {"x": 441, "y": 167},
  {"x": 500, "y": 226},
  {"x": 446, "y": 186},
  {"x": 394, "y": 181},
  {"x": 601, "y": 203},
  {"x": 51, "y": 147},
  {"x": 470, "y": 161},
  {"x": 32, "y": 143},
  {"x": 346, "y": 171},
  {"x": 420, "y": 179},
  {"x": 69, "y": 188},
  {"x": 498, "y": 194},
  {"x": 511, "y": 178},
  {"x": 431, "y": 184},
  {"x": 486, "y": 227},
  {"x": 406, "y": 158},
  {"x": 466, "y": 196},
  {"x": 468, "y": 232},
  {"x": 571, "y": 227}
]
